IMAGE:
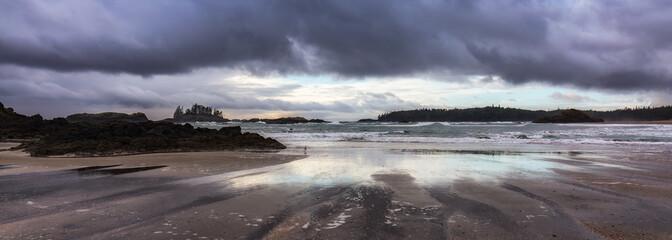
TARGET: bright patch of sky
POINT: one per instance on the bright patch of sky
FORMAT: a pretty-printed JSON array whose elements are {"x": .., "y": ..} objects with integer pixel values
[
  {"x": 410, "y": 93},
  {"x": 243, "y": 95}
]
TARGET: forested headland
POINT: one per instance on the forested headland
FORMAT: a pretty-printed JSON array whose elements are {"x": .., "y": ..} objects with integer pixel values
[{"x": 496, "y": 113}]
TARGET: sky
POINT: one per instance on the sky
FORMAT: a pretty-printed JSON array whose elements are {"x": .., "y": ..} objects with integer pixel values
[{"x": 332, "y": 59}]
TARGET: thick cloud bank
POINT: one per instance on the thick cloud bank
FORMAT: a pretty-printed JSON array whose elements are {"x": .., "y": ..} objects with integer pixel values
[{"x": 621, "y": 45}]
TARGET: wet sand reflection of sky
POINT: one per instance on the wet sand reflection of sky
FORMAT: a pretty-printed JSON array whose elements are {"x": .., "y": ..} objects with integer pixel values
[{"x": 332, "y": 166}]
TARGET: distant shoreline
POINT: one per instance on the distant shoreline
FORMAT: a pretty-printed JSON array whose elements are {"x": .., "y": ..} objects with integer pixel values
[{"x": 496, "y": 113}]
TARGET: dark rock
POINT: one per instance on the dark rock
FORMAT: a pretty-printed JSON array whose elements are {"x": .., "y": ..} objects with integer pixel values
[
  {"x": 316, "y": 121},
  {"x": 59, "y": 121},
  {"x": 367, "y": 120},
  {"x": 107, "y": 117},
  {"x": 196, "y": 118},
  {"x": 87, "y": 139},
  {"x": 36, "y": 117},
  {"x": 230, "y": 130},
  {"x": 17, "y": 126},
  {"x": 59, "y": 137},
  {"x": 251, "y": 120},
  {"x": 568, "y": 116},
  {"x": 523, "y": 136},
  {"x": 287, "y": 120}
]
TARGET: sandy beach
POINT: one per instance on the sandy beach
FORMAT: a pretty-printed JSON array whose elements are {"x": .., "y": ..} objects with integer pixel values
[
  {"x": 243, "y": 195},
  {"x": 84, "y": 198}
]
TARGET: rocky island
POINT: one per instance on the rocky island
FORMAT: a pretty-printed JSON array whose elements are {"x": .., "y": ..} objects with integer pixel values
[
  {"x": 200, "y": 113},
  {"x": 197, "y": 113},
  {"x": 367, "y": 120},
  {"x": 286, "y": 120},
  {"x": 568, "y": 116}
]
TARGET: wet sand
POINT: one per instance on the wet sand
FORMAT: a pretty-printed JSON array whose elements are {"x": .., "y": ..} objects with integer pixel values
[
  {"x": 234, "y": 195},
  {"x": 6, "y": 146}
]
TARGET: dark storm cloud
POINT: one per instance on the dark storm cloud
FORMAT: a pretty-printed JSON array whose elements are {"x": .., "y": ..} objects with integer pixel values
[
  {"x": 52, "y": 93},
  {"x": 607, "y": 45}
]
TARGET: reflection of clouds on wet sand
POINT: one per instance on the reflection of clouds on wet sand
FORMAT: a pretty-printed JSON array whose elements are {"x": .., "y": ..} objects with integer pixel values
[
  {"x": 349, "y": 191},
  {"x": 331, "y": 166}
]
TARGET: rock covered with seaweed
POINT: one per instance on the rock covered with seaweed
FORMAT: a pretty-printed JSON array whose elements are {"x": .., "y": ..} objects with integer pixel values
[
  {"x": 110, "y": 138},
  {"x": 107, "y": 117}
]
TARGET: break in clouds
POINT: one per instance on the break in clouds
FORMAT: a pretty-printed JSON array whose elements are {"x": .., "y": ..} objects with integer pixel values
[
  {"x": 618, "y": 45},
  {"x": 42, "y": 91}
]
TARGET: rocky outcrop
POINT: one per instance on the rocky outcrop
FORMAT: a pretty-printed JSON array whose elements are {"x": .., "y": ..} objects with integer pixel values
[
  {"x": 286, "y": 120},
  {"x": 9, "y": 118},
  {"x": 292, "y": 120},
  {"x": 568, "y": 116},
  {"x": 316, "y": 120},
  {"x": 107, "y": 117},
  {"x": 18, "y": 126},
  {"x": 367, "y": 120},
  {"x": 108, "y": 138},
  {"x": 59, "y": 137}
]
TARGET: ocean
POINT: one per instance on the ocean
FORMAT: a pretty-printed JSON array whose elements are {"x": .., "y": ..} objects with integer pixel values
[
  {"x": 442, "y": 152},
  {"x": 462, "y": 133}
]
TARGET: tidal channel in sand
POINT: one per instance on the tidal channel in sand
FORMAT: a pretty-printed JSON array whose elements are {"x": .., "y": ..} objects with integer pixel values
[{"x": 345, "y": 190}]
